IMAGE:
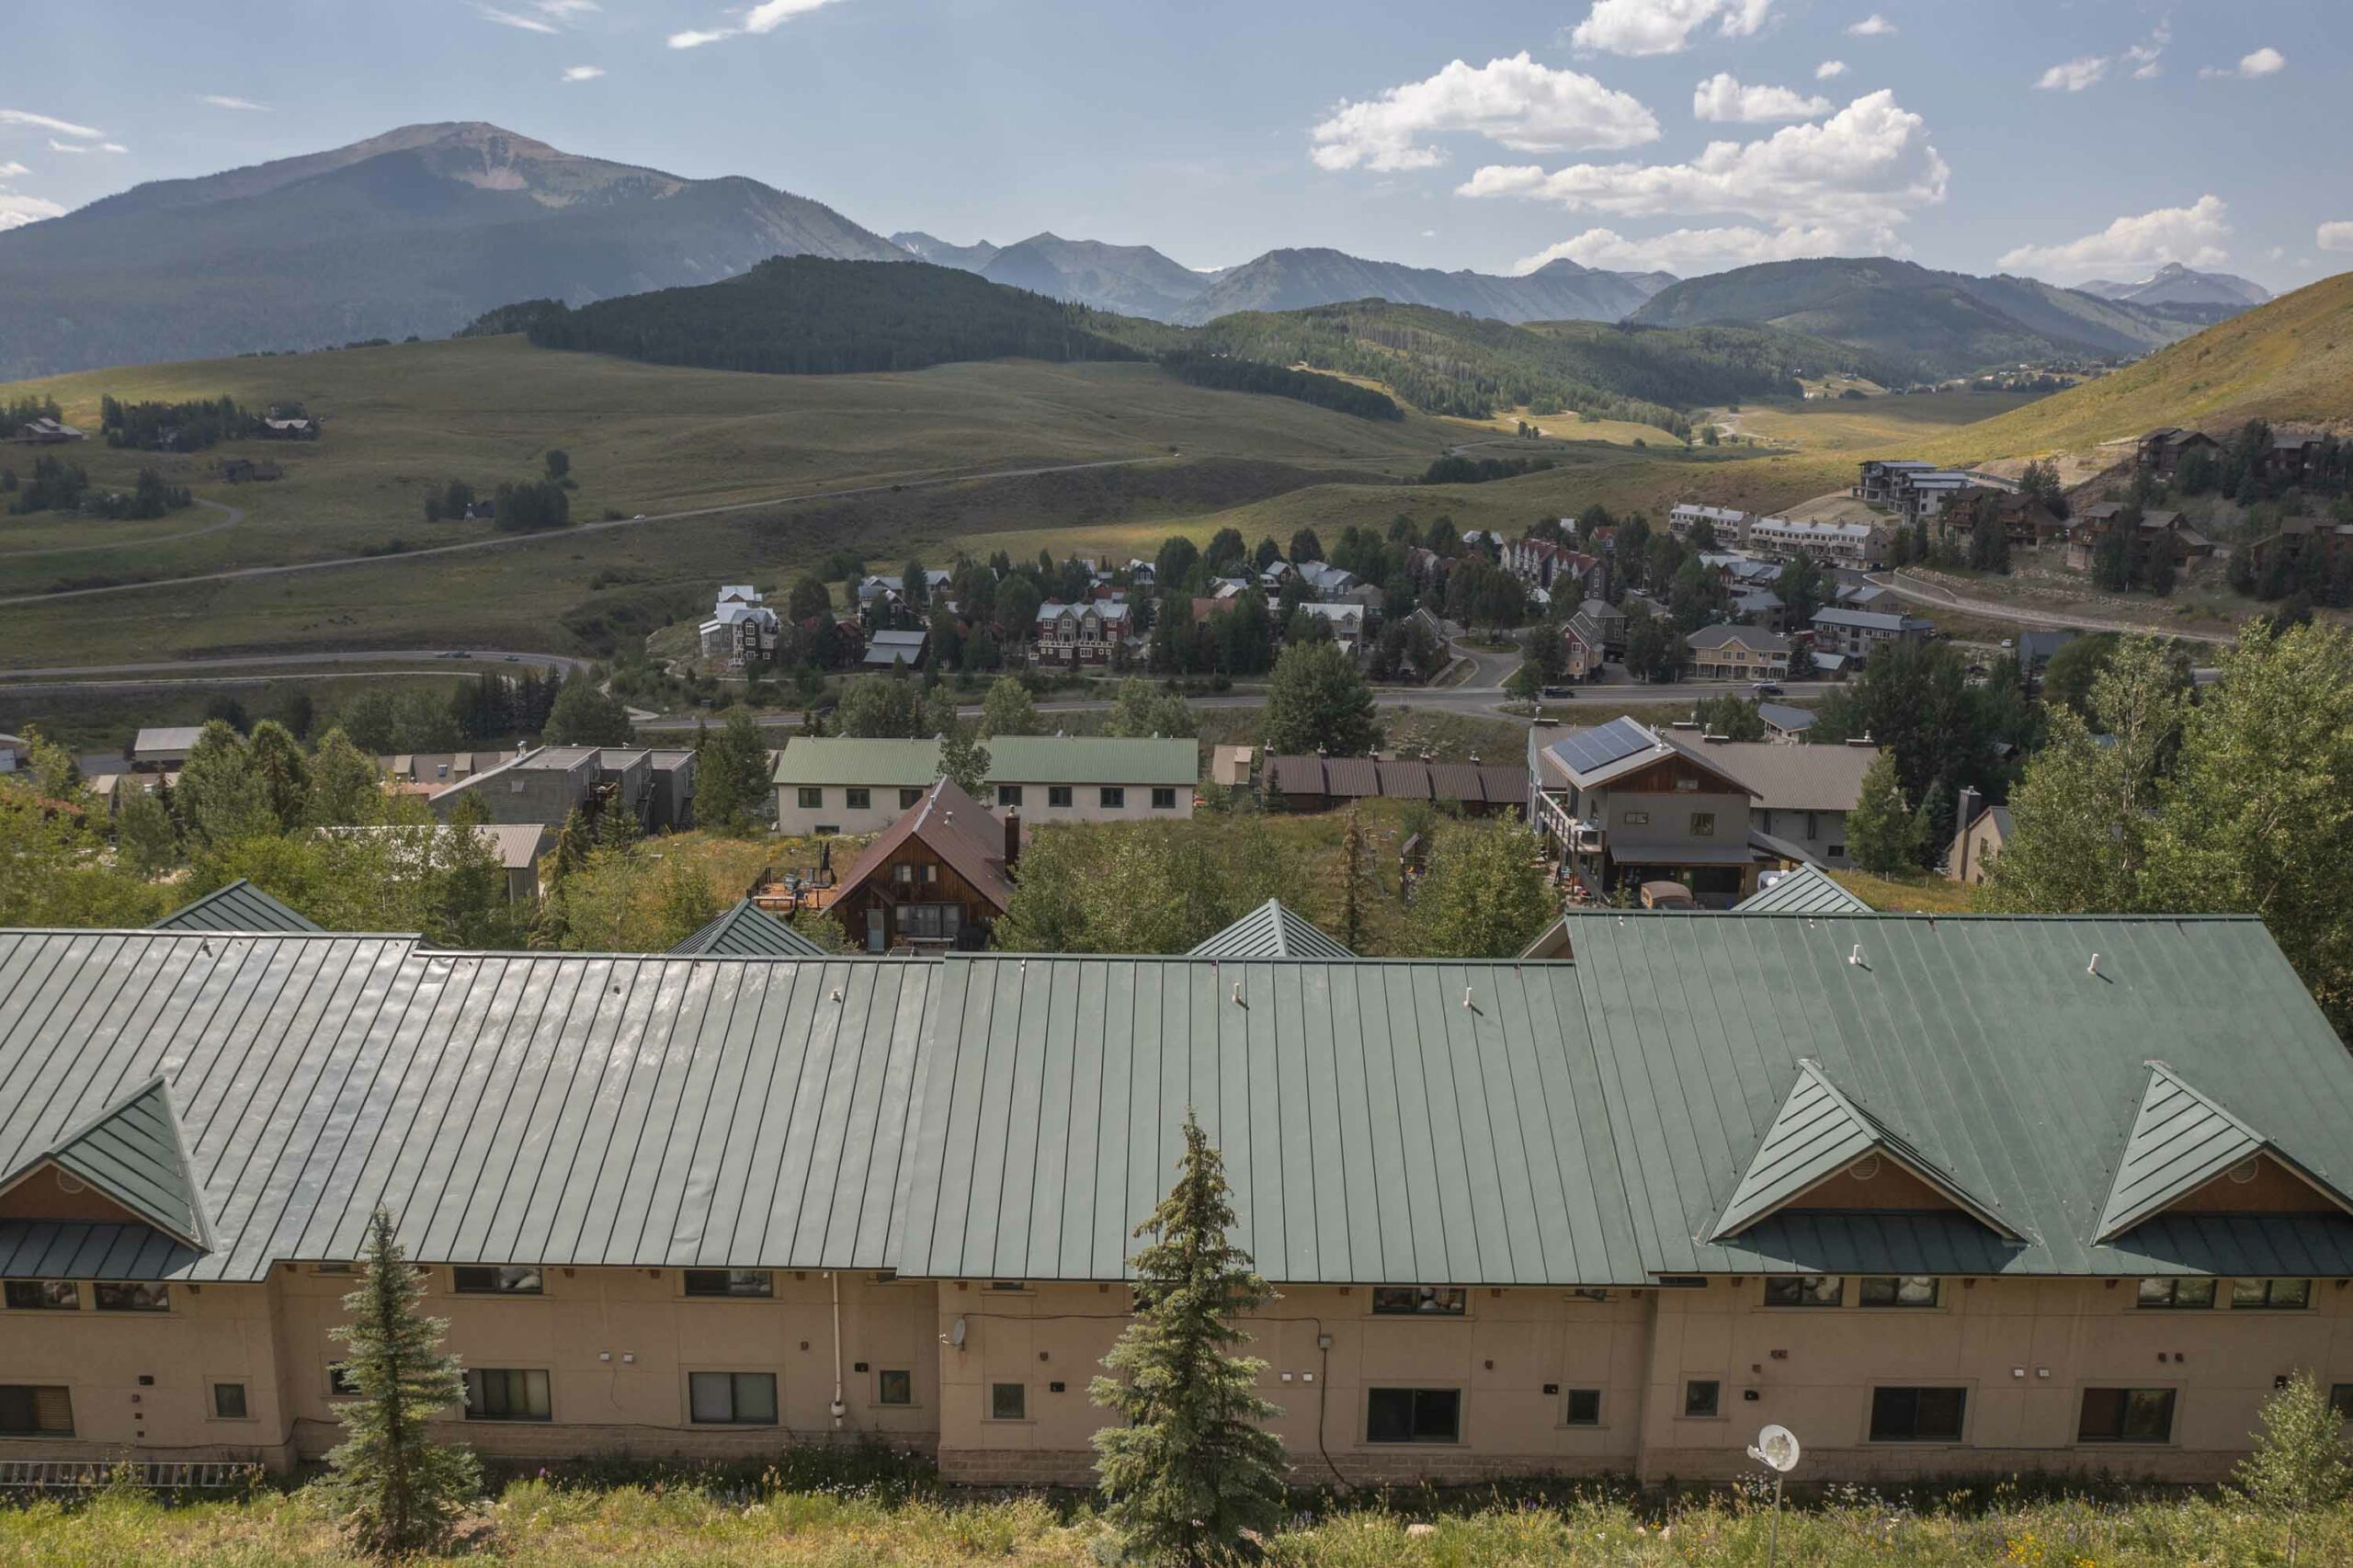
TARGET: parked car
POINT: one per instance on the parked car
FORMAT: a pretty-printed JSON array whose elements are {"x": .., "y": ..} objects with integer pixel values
[
  {"x": 1765, "y": 689},
  {"x": 1560, "y": 691}
]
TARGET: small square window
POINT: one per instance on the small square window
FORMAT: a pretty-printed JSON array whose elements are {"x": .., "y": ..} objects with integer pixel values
[
  {"x": 1163, "y": 800},
  {"x": 1805, "y": 1290},
  {"x": 229, "y": 1402},
  {"x": 1058, "y": 794},
  {"x": 137, "y": 1296},
  {"x": 1113, "y": 797},
  {"x": 339, "y": 1382},
  {"x": 1419, "y": 1301},
  {"x": 910, "y": 799},
  {"x": 1008, "y": 1401},
  {"x": 1701, "y": 1396},
  {"x": 892, "y": 1386},
  {"x": 1703, "y": 825},
  {"x": 2179, "y": 1293},
  {"x": 1008, "y": 794},
  {"x": 857, "y": 799},
  {"x": 812, "y": 798},
  {"x": 43, "y": 1296},
  {"x": 503, "y": 1279},
  {"x": 723, "y": 1282},
  {"x": 1585, "y": 1407}
]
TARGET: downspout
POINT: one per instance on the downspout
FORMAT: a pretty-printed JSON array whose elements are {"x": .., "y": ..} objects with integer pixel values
[{"x": 837, "y": 1406}]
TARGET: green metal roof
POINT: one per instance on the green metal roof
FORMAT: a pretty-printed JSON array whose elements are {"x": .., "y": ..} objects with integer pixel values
[
  {"x": 1806, "y": 890},
  {"x": 749, "y": 931},
  {"x": 832, "y": 759},
  {"x": 131, "y": 1153},
  {"x": 1093, "y": 759},
  {"x": 1271, "y": 931},
  {"x": 2181, "y": 1141},
  {"x": 240, "y": 906}
]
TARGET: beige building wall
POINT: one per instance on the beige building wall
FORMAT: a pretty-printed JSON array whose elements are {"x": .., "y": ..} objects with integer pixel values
[
  {"x": 1087, "y": 804},
  {"x": 795, "y": 820}
]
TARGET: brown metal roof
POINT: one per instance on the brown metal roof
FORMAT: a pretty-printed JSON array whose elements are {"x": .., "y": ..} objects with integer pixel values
[{"x": 952, "y": 826}]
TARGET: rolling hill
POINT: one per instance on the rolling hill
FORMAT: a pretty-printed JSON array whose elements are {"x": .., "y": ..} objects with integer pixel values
[
  {"x": 1931, "y": 324},
  {"x": 1299, "y": 279},
  {"x": 413, "y": 231},
  {"x": 2289, "y": 361}
]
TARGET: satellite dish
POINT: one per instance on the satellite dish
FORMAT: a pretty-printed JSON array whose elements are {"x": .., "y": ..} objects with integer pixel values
[
  {"x": 1776, "y": 1446},
  {"x": 956, "y": 1339}
]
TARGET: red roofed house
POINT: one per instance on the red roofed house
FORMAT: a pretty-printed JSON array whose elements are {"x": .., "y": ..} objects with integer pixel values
[{"x": 937, "y": 878}]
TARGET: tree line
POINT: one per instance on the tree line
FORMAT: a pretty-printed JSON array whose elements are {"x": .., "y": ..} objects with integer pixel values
[{"x": 1227, "y": 374}]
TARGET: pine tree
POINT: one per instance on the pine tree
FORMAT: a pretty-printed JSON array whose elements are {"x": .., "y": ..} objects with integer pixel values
[
  {"x": 1352, "y": 879},
  {"x": 394, "y": 1488},
  {"x": 1882, "y": 834},
  {"x": 2300, "y": 1463},
  {"x": 1191, "y": 1476}
]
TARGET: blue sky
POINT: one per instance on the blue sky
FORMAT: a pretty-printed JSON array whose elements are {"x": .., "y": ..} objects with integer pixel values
[{"x": 2068, "y": 139}]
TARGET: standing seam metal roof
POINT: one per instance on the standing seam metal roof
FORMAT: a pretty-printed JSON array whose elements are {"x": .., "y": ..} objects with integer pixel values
[
  {"x": 746, "y": 931},
  {"x": 239, "y": 907},
  {"x": 1271, "y": 931},
  {"x": 1806, "y": 890}
]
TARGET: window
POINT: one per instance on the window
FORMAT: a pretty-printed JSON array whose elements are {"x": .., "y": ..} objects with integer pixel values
[
  {"x": 229, "y": 1402},
  {"x": 1701, "y": 1397},
  {"x": 2126, "y": 1415},
  {"x": 1113, "y": 797},
  {"x": 1588, "y": 1293},
  {"x": 1918, "y": 1415},
  {"x": 894, "y": 1387},
  {"x": 1058, "y": 794},
  {"x": 504, "y": 1279},
  {"x": 1163, "y": 800},
  {"x": 339, "y": 1383},
  {"x": 909, "y": 799},
  {"x": 931, "y": 922},
  {"x": 505, "y": 1394},
  {"x": 35, "y": 1410},
  {"x": 1635, "y": 818},
  {"x": 1413, "y": 1415},
  {"x": 137, "y": 1296},
  {"x": 1805, "y": 1290},
  {"x": 1585, "y": 1407},
  {"x": 1835, "y": 851},
  {"x": 43, "y": 1296},
  {"x": 1703, "y": 825},
  {"x": 2271, "y": 1295},
  {"x": 1899, "y": 1290},
  {"x": 857, "y": 799},
  {"x": 2340, "y": 1400},
  {"x": 1429, "y": 1301},
  {"x": 731, "y": 1399},
  {"x": 729, "y": 1282},
  {"x": 2163, "y": 1294},
  {"x": 1008, "y": 794},
  {"x": 826, "y": 829},
  {"x": 812, "y": 798},
  {"x": 1008, "y": 1401}
]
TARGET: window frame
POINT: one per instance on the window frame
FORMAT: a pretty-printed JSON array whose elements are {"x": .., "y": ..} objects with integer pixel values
[
  {"x": 1111, "y": 797},
  {"x": 2340, "y": 1400},
  {"x": 2270, "y": 1291},
  {"x": 909, "y": 799},
  {"x": 12, "y": 1297},
  {"x": 1058, "y": 797},
  {"x": 1797, "y": 1286},
  {"x": 812, "y": 797},
  {"x": 1163, "y": 798},
  {"x": 1715, "y": 1405},
  {"x": 477, "y": 1383},
  {"x": 498, "y": 1284},
  {"x": 881, "y": 1395},
  {"x": 1703, "y": 825},
  {"x": 2172, "y": 1404},
  {"x": 1008, "y": 796},
  {"x": 31, "y": 1393},
  {"x": 1918, "y": 1393},
  {"x": 728, "y": 1278},
  {"x": 858, "y": 798},
  {"x": 131, "y": 1296},
  {"x": 734, "y": 1385},
  {"x": 996, "y": 1397},
  {"x": 2173, "y": 1302},
  {"x": 1453, "y": 1302},
  {"x": 339, "y": 1383},
  {"x": 1569, "y": 1416},
  {"x": 213, "y": 1388},
  {"x": 1896, "y": 1301},
  {"x": 1416, "y": 1394}
]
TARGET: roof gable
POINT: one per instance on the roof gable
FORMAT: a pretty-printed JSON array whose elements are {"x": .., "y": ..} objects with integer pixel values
[
  {"x": 747, "y": 931},
  {"x": 1271, "y": 931},
  {"x": 2180, "y": 1141},
  {"x": 1819, "y": 1133},
  {"x": 240, "y": 906},
  {"x": 970, "y": 844},
  {"x": 1806, "y": 890},
  {"x": 132, "y": 1154}
]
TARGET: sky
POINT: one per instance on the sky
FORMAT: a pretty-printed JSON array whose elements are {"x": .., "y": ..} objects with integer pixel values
[{"x": 2066, "y": 138}]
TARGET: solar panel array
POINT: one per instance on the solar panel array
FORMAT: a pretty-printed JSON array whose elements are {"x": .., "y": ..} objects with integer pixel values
[{"x": 1598, "y": 747}]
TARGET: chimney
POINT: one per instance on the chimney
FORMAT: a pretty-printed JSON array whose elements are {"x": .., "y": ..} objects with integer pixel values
[
  {"x": 1012, "y": 838},
  {"x": 1964, "y": 812}
]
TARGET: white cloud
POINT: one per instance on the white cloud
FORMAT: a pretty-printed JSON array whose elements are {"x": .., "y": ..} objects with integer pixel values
[
  {"x": 583, "y": 73},
  {"x": 1663, "y": 27},
  {"x": 1873, "y": 26},
  {"x": 17, "y": 210},
  {"x": 2192, "y": 236},
  {"x": 112, "y": 147},
  {"x": 223, "y": 100},
  {"x": 10, "y": 171},
  {"x": 1694, "y": 251},
  {"x": 2335, "y": 237},
  {"x": 692, "y": 39},
  {"x": 515, "y": 19},
  {"x": 2266, "y": 61},
  {"x": 2143, "y": 57},
  {"x": 1525, "y": 107},
  {"x": 1871, "y": 155},
  {"x": 2074, "y": 75},
  {"x": 1722, "y": 97},
  {"x": 57, "y": 146},
  {"x": 538, "y": 15},
  {"x": 1829, "y": 69},
  {"x": 43, "y": 122},
  {"x": 765, "y": 17}
]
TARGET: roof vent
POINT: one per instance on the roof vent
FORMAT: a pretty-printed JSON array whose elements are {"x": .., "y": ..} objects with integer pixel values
[
  {"x": 1237, "y": 993},
  {"x": 2093, "y": 967},
  {"x": 2245, "y": 1172},
  {"x": 1467, "y": 1000},
  {"x": 1856, "y": 956},
  {"x": 1864, "y": 1168}
]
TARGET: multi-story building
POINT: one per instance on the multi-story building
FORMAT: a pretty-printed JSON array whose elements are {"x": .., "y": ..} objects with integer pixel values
[
  {"x": 1860, "y": 545},
  {"x": 1857, "y": 633},
  {"x": 1088, "y": 633},
  {"x": 1881, "y": 480},
  {"x": 654, "y": 786},
  {"x": 1728, "y": 524},
  {"x": 1738, "y": 653},
  {"x": 826, "y": 785}
]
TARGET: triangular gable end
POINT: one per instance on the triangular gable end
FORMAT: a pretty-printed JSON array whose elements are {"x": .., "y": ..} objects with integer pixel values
[
  {"x": 1271, "y": 931},
  {"x": 133, "y": 1156},
  {"x": 1818, "y": 1134},
  {"x": 2181, "y": 1141}
]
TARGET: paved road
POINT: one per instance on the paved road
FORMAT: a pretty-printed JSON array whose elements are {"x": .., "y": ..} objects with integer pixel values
[
  {"x": 504, "y": 541},
  {"x": 231, "y": 518},
  {"x": 1920, "y": 593}
]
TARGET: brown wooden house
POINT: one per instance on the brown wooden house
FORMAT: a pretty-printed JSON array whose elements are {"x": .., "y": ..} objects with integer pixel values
[{"x": 937, "y": 878}]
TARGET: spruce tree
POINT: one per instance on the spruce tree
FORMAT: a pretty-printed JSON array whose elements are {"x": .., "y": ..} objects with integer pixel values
[
  {"x": 1191, "y": 1476},
  {"x": 393, "y": 1488},
  {"x": 1352, "y": 881}
]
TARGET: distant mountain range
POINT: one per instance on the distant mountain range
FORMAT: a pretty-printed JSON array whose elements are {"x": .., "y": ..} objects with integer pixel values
[
  {"x": 1924, "y": 323},
  {"x": 413, "y": 231},
  {"x": 2174, "y": 284}
]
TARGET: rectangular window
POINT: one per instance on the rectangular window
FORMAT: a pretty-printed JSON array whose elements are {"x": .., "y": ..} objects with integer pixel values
[
  {"x": 1837, "y": 851},
  {"x": 229, "y": 1402},
  {"x": 909, "y": 799},
  {"x": 339, "y": 1383},
  {"x": 1585, "y": 1407},
  {"x": 505, "y": 1394},
  {"x": 1805, "y": 1290},
  {"x": 2272, "y": 1295},
  {"x": 1419, "y": 1301},
  {"x": 857, "y": 799},
  {"x": 929, "y": 922},
  {"x": 2126, "y": 1415},
  {"x": 2172, "y": 1294},
  {"x": 1163, "y": 800},
  {"x": 731, "y": 1399},
  {"x": 1413, "y": 1415},
  {"x": 1588, "y": 1293},
  {"x": 894, "y": 1387},
  {"x": 1635, "y": 818},
  {"x": 1008, "y": 1401},
  {"x": 134, "y": 1296},
  {"x": 2340, "y": 1400},
  {"x": 35, "y": 1410},
  {"x": 729, "y": 1282},
  {"x": 501, "y": 1279},
  {"x": 1918, "y": 1415},
  {"x": 1703, "y": 825},
  {"x": 812, "y": 798},
  {"x": 1113, "y": 797},
  {"x": 1008, "y": 794},
  {"x": 1058, "y": 794},
  {"x": 1701, "y": 1396},
  {"x": 43, "y": 1296},
  {"x": 1899, "y": 1290}
]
